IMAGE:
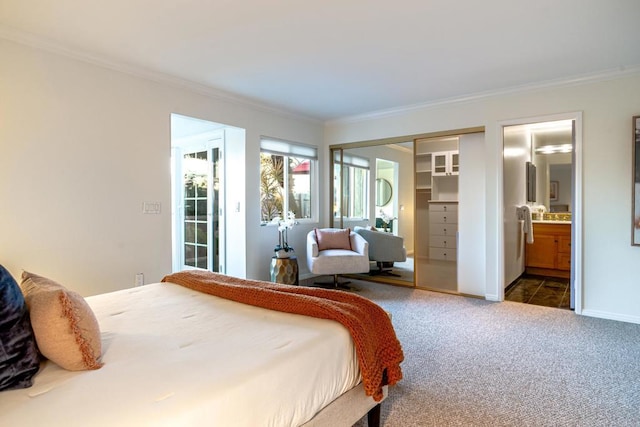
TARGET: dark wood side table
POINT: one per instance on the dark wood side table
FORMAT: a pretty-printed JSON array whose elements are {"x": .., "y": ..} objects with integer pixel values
[{"x": 284, "y": 270}]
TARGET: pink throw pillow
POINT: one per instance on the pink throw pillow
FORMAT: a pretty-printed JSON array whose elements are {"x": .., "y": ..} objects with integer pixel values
[
  {"x": 330, "y": 238},
  {"x": 66, "y": 330}
]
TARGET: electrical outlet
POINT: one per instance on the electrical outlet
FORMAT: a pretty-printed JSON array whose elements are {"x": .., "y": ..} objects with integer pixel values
[{"x": 139, "y": 279}]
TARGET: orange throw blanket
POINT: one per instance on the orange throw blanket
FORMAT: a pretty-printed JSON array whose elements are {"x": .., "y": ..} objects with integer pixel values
[{"x": 378, "y": 349}]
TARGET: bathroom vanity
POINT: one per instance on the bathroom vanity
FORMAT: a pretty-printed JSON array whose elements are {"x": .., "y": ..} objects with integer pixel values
[{"x": 550, "y": 252}]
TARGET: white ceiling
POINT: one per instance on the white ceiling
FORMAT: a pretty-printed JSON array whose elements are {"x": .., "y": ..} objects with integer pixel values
[{"x": 338, "y": 58}]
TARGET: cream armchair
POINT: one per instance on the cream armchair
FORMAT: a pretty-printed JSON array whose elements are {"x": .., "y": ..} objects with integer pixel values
[
  {"x": 332, "y": 251},
  {"x": 384, "y": 249}
]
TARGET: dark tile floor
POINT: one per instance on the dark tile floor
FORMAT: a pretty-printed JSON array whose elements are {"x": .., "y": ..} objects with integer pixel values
[{"x": 539, "y": 290}]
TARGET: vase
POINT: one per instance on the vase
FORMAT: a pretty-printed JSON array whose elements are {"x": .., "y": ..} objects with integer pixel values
[{"x": 282, "y": 254}]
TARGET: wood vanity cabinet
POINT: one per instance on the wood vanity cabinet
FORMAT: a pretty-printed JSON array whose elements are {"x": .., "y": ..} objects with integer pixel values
[{"x": 550, "y": 252}]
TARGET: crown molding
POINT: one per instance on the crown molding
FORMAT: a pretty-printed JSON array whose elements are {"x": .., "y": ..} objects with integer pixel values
[
  {"x": 24, "y": 38},
  {"x": 610, "y": 74},
  {"x": 31, "y": 40}
]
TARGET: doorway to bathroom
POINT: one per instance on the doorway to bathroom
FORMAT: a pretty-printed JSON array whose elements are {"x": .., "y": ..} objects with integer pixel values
[{"x": 541, "y": 215}]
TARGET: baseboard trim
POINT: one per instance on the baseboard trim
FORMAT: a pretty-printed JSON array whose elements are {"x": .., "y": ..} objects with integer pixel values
[
  {"x": 611, "y": 316},
  {"x": 492, "y": 297}
]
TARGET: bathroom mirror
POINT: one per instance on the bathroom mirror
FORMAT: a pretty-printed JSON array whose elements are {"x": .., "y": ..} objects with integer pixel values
[
  {"x": 635, "y": 201},
  {"x": 383, "y": 192},
  {"x": 531, "y": 182}
]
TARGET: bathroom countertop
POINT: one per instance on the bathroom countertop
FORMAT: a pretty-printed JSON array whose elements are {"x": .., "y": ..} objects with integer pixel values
[{"x": 537, "y": 221}]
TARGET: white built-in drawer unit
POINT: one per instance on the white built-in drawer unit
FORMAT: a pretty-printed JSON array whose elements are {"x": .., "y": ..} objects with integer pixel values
[
  {"x": 445, "y": 242},
  {"x": 443, "y": 228},
  {"x": 439, "y": 206},
  {"x": 443, "y": 217}
]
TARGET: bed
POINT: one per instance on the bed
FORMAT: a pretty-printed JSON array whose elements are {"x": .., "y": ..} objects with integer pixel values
[{"x": 173, "y": 355}]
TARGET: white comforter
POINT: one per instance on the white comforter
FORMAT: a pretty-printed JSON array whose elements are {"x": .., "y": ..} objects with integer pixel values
[{"x": 177, "y": 357}]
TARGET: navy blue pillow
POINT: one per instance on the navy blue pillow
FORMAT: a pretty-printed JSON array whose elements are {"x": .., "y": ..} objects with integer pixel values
[{"x": 19, "y": 359}]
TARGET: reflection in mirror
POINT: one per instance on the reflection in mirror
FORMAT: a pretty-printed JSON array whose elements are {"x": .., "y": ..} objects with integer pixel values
[
  {"x": 359, "y": 197},
  {"x": 383, "y": 192},
  {"x": 552, "y": 155},
  {"x": 636, "y": 182}
]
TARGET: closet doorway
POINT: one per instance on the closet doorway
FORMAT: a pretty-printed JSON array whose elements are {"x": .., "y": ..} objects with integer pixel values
[
  {"x": 437, "y": 169},
  {"x": 470, "y": 248}
]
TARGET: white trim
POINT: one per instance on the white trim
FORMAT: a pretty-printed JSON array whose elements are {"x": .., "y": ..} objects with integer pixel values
[
  {"x": 493, "y": 297},
  {"x": 611, "y": 316},
  {"x": 577, "y": 213},
  {"x": 577, "y": 231},
  {"x": 555, "y": 83},
  {"x": 21, "y": 37}
]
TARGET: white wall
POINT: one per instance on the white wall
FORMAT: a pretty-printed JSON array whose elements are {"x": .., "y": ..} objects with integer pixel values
[
  {"x": 611, "y": 267},
  {"x": 517, "y": 152},
  {"x": 82, "y": 146},
  {"x": 237, "y": 221},
  {"x": 471, "y": 216}
]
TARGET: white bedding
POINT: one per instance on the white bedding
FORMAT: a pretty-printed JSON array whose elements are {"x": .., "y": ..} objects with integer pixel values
[{"x": 177, "y": 357}]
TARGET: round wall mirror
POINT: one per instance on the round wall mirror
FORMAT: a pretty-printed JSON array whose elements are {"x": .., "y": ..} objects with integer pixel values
[{"x": 383, "y": 192}]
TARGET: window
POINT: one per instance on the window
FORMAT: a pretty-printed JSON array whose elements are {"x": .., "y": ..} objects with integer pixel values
[
  {"x": 287, "y": 179},
  {"x": 355, "y": 185}
]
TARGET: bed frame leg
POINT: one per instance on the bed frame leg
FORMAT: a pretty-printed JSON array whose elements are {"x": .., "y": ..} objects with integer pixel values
[{"x": 373, "y": 416}]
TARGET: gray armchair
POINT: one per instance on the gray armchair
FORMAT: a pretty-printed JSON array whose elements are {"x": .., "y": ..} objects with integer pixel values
[{"x": 384, "y": 249}]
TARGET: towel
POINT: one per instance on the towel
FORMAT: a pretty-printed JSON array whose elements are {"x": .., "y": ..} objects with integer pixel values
[{"x": 524, "y": 213}]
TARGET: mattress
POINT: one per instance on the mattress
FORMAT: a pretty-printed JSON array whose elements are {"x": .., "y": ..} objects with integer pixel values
[{"x": 173, "y": 356}]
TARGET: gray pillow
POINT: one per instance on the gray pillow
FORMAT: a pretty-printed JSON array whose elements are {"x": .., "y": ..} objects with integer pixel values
[{"x": 19, "y": 358}]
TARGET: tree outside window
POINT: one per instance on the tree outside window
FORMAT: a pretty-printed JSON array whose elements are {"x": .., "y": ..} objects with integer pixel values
[{"x": 285, "y": 185}]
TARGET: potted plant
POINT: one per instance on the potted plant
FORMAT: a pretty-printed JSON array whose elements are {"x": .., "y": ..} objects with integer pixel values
[
  {"x": 386, "y": 220},
  {"x": 282, "y": 249}
]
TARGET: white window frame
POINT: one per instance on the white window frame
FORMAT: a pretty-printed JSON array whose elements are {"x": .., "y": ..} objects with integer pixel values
[
  {"x": 353, "y": 162},
  {"x": 288, "y": 149}
]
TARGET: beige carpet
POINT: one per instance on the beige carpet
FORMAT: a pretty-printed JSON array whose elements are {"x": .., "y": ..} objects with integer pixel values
[
  {"x": 470, "y": 362},
  {"x": 401, "y": 271}
]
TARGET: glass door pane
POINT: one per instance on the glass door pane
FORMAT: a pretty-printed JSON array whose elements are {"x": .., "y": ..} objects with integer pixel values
[
  {"x": 215, "y": 209},
  {"x": 439, "y": 163},
  {"x": 201, "y": 209},
  {"x": 455, "y": 163},
  {"x": 195, "y": 168}
]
